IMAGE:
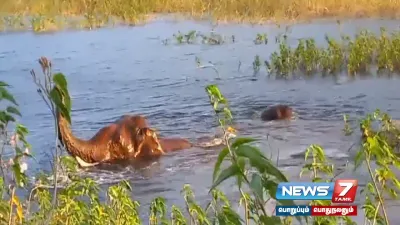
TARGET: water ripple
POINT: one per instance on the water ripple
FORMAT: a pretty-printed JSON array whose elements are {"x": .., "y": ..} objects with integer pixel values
[{"x": 125, "y": 71}]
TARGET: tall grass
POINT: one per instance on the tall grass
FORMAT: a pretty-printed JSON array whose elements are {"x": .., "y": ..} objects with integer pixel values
[{"x": 223, "y": 10}]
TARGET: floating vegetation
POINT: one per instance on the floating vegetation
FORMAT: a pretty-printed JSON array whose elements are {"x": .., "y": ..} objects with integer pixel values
[
  {"x": 256, "y": 64},
  {"x": 261, "y": 39},
  {"x": 188, "y": 38},
  {"x": 358, "y": 56},
  {"x": 192, "y": 37}
]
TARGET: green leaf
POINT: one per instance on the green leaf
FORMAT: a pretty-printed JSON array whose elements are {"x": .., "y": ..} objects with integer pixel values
[
  {"x": 4, "y": 94},
  {"x": 4, "y": 84},
  {"x": 22, "y": 130},
  {"x": 231, "y": 171},
  {"x": 13, "y": 110},
  {"x": 396, "y": 183},
  {"x": 20, "y": 178},
  {"x": 256, "y": 185},
  {"x": 6, "y": 118},
  {"x": 231, "y": 216},
  {"x": 272, "y": 187},
  {"x": 57, "y": 99},
  {"x": 125, "y": 184},
  {"x": 241, "y": 141},
  {"x": 62, "y": 85},
  {"x": 60, "y": 81},
  {"x": 270, "y": 220},
  {"x": 359, "y": 159},
  {"x": 241, "y": 162},
  {"x": 219, "y": 161},
  {"x": 69, "y": 163},
  {"x": 258, "y": 160}
]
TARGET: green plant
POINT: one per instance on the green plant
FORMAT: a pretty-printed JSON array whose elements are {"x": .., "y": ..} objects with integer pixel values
[
  {"x": 380, "y": 148},
  {"x": 321, "y": 171},
  {"x": 261, "y": 39},
  {"x": 347, "y": 129},
  {"x": 79, "y": 200},
  {"x": 13, "y": 167},
  {"x": 358, "y": 56},
  {"x": 307, "y": 56},
  {"x": 243, "y": 157},
  {"x": 361, "y": 52},
  {"x": 256, "y": 177},
  {"x": 332, "y": 59},
  {"x": 192, "y": 36},
  {"x": 256, "y": 64}
]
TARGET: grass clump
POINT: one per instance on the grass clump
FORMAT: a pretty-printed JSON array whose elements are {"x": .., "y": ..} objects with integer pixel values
[
  {"x": 363, "y": 55},
  {"x": 78, "y": 201},
  {"x": 193, "y": 36}
]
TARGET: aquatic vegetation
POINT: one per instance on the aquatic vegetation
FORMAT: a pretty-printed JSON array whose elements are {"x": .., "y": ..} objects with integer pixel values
[
  {"x": 332, "y": 60},
  {"x": 212, "y": 39},
  {"x": 284, "y": 61},
  {"x": 307, "y": 56},
  {"x": 188, "y": 38},
  {"x": 361, "y": 50},
  {"x": 261, "y": 39},
  {"x": 359, "y": 56},
  {"x": 256, "y": 176},
  {"x": 256, "y": 64},
  {"x": 192, "y": 37}
]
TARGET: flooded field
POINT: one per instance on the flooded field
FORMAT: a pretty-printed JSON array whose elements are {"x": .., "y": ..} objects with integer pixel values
[{"x": 128, "y": 70}]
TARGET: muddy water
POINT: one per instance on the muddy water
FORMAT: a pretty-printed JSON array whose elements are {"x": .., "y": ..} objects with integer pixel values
[{"x": 128, "y": 70}]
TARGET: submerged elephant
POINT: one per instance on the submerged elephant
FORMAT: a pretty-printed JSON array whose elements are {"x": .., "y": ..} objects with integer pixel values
[
  {"x": 174, "y": 144},
  {"x": 277, "y": 112}
]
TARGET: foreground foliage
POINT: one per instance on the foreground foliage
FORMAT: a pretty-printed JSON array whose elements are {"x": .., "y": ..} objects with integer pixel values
[{"x": 80, "y": 200}]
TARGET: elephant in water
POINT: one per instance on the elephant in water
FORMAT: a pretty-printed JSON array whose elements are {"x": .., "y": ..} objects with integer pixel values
[
  {"x": 129, "y": 137},
  {"x": 126, "y": 138},
  {"x": 278, "y": 112}
]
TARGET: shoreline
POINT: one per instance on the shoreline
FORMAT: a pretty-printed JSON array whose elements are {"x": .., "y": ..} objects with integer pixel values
[{"x": 59, "y": 23}]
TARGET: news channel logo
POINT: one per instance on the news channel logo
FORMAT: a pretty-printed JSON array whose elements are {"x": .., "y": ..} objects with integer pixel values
[{"x": 341, "y": 191}]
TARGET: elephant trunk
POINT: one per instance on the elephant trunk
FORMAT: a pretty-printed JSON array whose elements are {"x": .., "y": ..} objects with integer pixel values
[{"x": 80, "y": 149}]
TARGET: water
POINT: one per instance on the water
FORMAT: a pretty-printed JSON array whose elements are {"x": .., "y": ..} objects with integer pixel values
[{"x": 119, "y": 71}]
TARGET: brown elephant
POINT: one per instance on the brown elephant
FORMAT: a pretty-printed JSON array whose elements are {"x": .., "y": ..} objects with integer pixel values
[
  {"x": 126, "y": 138},
  {"x": 129, "y": 137},
  {"x": 277, "y": 112}
]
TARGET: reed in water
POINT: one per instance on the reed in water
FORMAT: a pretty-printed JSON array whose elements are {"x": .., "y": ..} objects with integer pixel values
[{"x": 365, "y": 54}]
